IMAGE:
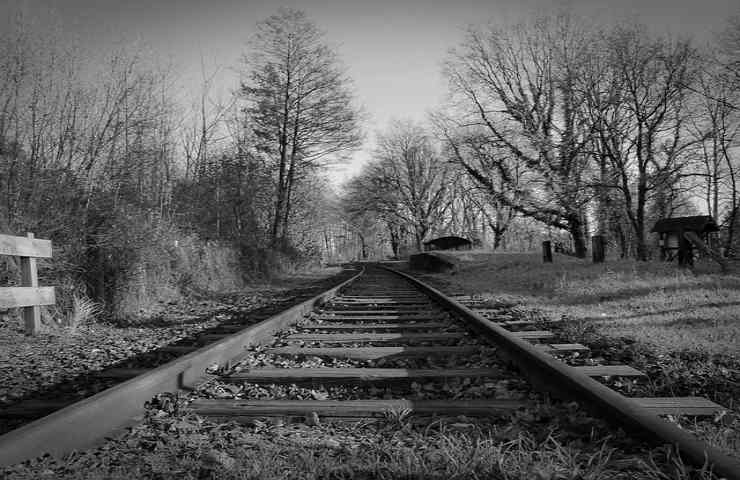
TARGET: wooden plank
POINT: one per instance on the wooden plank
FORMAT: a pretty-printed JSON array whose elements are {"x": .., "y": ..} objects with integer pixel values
[
  {"x": 378, "y": 311},
  {"x": 533, "y": 334},
  {"x": 561, "y": 347},
  {"x": 379, "y": 308},
  {"x": 706, "y": 250},
  {"x": 352, "y": 408},
  {"x": 13, "y": 297},
  {"x": 353, "y": 301},
  {"x": 375, "y": 337},
  {"x": 374, "y": 326},
  {"x": 610, "y": 371},
  {"x": 691, "y": 406},
  {"x": 30, "y": 278},
  {"x": 381, "y": 302},
  {"x": 374, "y": 353},
  {"x": 25, "y": 247},
  {"x": 387, "y": 296},
  {"x": 354, "y": 375},
  {"x": 374, "y": 318}
]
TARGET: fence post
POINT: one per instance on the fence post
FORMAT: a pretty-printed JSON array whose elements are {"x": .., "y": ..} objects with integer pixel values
[
  {"x": 546, "y": 251},
  {"x": 597, "y": 248},
  {"x": 30, "y": 278},
  {"x": 685, "y": 251}
]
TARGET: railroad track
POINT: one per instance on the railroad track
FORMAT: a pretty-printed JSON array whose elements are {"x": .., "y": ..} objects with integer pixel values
[{"x": 387, "y": 344}]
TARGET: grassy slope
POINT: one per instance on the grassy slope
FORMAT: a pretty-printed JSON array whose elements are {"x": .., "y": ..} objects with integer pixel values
[
  {"x": 655, "y": 303},
  {"x": 678, "y": 326}
]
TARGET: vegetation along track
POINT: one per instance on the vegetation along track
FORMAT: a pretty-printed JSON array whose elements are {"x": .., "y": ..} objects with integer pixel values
[{"x": 371, "y": 347}]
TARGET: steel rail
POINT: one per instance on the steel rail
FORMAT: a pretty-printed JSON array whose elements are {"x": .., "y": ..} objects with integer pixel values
[
  {"x": 549, "y": 373},
  {"x": 88, "y": 422}
]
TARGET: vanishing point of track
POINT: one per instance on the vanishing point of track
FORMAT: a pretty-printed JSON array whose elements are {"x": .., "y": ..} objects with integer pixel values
[{"x": 379, "y": 328}]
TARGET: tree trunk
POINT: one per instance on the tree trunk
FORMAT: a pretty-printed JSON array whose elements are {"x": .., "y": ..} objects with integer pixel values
[
  {"x": 640, "y": 243},
  {"x": 575, "y": 227}
]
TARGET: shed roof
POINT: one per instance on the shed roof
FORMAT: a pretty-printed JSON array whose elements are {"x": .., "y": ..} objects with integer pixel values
[
  {"x": 449, "y": 238},
  {"x": 696, "y": 223}
]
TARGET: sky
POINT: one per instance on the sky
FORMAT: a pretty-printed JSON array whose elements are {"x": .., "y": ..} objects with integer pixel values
[{"x": 393, "y": 49}]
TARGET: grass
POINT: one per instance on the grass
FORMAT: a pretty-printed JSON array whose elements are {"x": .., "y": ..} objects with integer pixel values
[
  {"x": 84, "y": 312},
  {"x": 680, "y": 327},
  {"x": 187, "y": 447},
  {"x": 656, "y": 303}
]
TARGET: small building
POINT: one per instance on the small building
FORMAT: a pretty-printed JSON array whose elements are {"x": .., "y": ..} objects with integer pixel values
[
  {"x": 672, "y": 239},
  {"x": 448, "y": 243}
]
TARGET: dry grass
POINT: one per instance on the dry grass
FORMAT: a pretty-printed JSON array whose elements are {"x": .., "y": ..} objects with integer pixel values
[
  {"x": 84, "y": 312},
  {"x": 652, "y": 302},
  {"x": 190, "y": 448}
]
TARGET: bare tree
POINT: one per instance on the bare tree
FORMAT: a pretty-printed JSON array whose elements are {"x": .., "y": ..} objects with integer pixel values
[
  {"x": 298, "y": 103},
  {"x": 368, "y": 201},
  {"x": 407, "y": 164},
  {"x": 639, "y": 107},
  {"x": 520, "y": 103}
]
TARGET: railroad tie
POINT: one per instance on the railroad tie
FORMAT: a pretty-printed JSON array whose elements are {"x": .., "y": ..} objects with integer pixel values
[
  {"x": 533, "y": 334},
  {"x": 610, "y": 371},
  {"x": 553, "y": 348},
  {"x": 375, "y": 353},
  {"x": 365, "y": 337},
  {"x": 374, "y": 318},
  {"x": 332, "y": 375},
  {"x": 247, "y": 409},
  {"x": 689, "y": 406},
  {"x": 336, "y": 326}
]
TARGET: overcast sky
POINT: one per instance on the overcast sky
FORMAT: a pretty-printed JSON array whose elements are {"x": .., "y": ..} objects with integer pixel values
[{"x": 393, "y": 48}]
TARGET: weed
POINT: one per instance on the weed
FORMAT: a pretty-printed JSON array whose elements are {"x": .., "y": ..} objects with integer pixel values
[{"x": 84, "y": 312}]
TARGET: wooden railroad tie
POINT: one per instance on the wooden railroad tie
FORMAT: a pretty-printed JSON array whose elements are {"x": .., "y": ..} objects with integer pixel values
[
  {"x": 361, "y": 375},
  {"x": 374, "y": 326},
  {"x": 376, "y": 337},
  {"x": 562, "y": 347},
  {"x": 383, "y": 312},
  {"x": 533, "y": 334},
  {"x": 610, "y": 371},
  {"x": 380, "y": 308},
  {"x": 236, "y": 409},
  {"x": 689, "y": 406},
  {"x": 318, "y": 376},
  {"x": 386, "y": 303},
  {"x": 368, "y": 318},
  {"x": 380, "y": 296},
  {"x": 375, "y": 353}
]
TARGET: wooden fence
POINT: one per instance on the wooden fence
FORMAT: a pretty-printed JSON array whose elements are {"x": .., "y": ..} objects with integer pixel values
[{"x": 29, "y": 296}]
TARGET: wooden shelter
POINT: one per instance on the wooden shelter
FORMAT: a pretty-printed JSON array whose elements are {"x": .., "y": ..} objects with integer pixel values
[
  {"x": 448, "y": 243},
  {"x": 678, "y": 234}
]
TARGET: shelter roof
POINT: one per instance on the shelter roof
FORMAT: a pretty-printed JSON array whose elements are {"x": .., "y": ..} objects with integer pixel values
[{"x": 696, "y": 223}]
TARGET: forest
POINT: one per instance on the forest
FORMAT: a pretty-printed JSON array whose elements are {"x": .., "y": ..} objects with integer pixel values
[{"x": 555, "y": 128}]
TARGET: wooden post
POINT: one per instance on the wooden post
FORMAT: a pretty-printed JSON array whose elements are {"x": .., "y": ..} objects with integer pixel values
[
  {"x": 29, "y": 278},
  {"x": 685, "y": 254},
  {"x": 663, "y": 246},
  {"x": 598, "y": 249},
  {"x": 546, "y": 252}
]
